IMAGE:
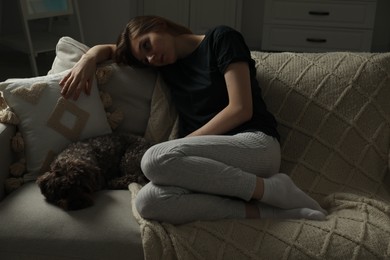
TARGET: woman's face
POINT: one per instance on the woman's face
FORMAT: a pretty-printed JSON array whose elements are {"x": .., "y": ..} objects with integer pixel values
[{"x": 154, "y": 48}]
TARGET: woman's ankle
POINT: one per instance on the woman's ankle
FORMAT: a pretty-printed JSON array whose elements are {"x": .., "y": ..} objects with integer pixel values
[{"x": 259, "y": 189}]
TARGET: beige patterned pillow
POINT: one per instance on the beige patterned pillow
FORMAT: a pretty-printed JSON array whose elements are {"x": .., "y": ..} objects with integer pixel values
[
  {"x": 48, "y": 122},
  {"x": 131, "y": 89},
  {"x": 333, "y": 111}
]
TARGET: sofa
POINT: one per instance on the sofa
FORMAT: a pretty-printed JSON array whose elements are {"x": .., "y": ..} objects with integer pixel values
[{"x": 333, "y": 113}]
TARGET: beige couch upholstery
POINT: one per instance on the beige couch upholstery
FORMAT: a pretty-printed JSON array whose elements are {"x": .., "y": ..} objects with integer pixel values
[{"x": 333, "y": 111}]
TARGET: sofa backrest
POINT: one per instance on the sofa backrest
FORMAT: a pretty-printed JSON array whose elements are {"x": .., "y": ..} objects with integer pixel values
[{"x": 333, "y": 111}]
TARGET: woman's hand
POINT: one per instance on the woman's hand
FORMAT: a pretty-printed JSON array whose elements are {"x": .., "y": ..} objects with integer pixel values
[{"x": 80, "y": 78}]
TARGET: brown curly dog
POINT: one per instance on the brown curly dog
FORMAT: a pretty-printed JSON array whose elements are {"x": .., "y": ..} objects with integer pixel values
[{"x": 110, "y": 161}]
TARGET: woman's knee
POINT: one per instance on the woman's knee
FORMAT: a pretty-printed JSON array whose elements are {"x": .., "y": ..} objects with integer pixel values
[
  {"x": 271, "y": 157},
  {"x": 144, "y": 202},
  {"x": 147, "y": 161},
  {"x": 155, "y": 161},
  {"x": 158, "y": 203},
  {"x": 151, "y": 161}
]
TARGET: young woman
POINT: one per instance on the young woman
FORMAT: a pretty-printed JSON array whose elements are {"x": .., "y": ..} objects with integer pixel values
[{"x": 226, "y": 162}]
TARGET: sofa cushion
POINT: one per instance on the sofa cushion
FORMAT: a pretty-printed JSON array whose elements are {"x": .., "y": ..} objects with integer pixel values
[
  {"x": 34, "y": 229},
  {"x": 130, "y": 88},
  {"x": 131, "y": 92},
  {"x": 68, "y": 52},
  {"x": 333, "y": 112},
  {"x": 48, "y": 122}
]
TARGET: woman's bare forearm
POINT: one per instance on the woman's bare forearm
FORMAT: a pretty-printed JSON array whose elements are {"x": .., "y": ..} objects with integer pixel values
[
  {"x": 81, "y": 76},
  {"x": 101, "y": 53}
]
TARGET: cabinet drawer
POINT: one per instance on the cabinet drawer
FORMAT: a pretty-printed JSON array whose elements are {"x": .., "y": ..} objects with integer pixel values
[
  {"x": 314, "y": 39},
  {"x": 327, "y": 13}
]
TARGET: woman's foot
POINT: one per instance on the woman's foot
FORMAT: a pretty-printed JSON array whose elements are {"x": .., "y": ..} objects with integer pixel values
[
  {"x": 280, "y": 191},
  {"x": 273, "y": 212}
]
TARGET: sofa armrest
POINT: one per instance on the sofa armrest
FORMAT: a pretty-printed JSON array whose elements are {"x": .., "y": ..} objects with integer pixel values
[{"x": 7, "y": 156}]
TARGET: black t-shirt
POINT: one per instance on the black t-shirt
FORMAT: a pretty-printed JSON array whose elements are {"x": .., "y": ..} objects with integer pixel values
[{"x": 198, "y": 86}]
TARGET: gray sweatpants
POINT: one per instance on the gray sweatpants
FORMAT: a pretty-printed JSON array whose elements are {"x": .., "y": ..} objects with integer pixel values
[{"x": 205, "y": 177}]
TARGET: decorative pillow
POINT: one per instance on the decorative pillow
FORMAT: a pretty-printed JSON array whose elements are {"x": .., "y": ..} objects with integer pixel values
[
  {"x": 48, "y": 122},
  {"x": 68, "y": 52},
  {"x": 333, "y": 111},
  {"x": 130, "y": 89},
  {"x": 163, "y": 122}
]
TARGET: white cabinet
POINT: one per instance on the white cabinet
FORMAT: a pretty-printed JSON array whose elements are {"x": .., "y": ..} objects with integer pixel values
[
  {"x": 33, "y": 41},
  {"x": 315, "y": 26},
  {"x": 207, "y": 14},
  {"x": 199, "y": 15}
]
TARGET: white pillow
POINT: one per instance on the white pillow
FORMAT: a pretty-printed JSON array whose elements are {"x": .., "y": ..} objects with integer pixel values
[
  {"x": 131, "y": 89},
  {"x": 48, "y": 122},
  {"x": 68, "y": 52}
]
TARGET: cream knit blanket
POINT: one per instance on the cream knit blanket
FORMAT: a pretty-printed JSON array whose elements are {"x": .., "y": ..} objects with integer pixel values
[
  {"x": 356, "y": 228},
  {"x": 333, "y": 111}
]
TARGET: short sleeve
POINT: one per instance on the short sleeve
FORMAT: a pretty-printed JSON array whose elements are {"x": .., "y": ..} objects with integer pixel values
[{"x": 229, "y": 46}]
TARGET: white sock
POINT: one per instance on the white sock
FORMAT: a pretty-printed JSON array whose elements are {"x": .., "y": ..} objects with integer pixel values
[
  {"x": 280, "y": 191},
  {"x": 272, "y": 212}
]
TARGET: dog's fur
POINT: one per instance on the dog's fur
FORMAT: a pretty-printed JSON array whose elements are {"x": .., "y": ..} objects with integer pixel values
[{"x": 110, "y": 161}]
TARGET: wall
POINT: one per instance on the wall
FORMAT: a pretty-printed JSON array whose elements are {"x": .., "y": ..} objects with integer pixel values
[
  {"x": 104, "y": 22},
  {"x": 9, "y": 12},
  {"x": 381, "y": 37},
  {"x": 1, "y": 14},
  {"x": 252, "y": 18}
]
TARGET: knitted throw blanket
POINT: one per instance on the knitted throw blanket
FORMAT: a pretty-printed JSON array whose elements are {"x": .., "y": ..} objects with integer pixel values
[
  {"x": 333, "y": 111},
  {"x": 356, "y": 228}
]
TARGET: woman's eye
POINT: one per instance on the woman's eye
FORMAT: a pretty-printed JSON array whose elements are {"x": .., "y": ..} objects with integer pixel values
[{"x": 146, "y": 46}]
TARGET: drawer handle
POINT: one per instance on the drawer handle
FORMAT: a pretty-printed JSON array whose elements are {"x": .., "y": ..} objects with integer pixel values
[
  {"x": 316, "y": 40},
  {"x": 319, "y": 13}
]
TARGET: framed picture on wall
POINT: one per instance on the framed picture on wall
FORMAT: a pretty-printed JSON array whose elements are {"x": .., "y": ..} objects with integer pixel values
[{"x": 34, "y": 9}]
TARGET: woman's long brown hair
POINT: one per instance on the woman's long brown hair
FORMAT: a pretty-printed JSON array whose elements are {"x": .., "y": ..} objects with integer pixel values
[{"x": 138, "y": 26}]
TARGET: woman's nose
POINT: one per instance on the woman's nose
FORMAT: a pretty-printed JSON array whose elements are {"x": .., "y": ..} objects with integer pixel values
[{"x": 150, "y": 58}]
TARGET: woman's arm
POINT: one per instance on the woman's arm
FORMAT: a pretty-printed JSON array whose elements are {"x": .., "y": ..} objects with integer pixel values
[
  {"x": 240, "y": 107},
  {"x": 81, "y": 76}
]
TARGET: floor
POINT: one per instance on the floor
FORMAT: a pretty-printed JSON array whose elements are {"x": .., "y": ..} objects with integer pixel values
[{"x": 14, "y": 64}]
